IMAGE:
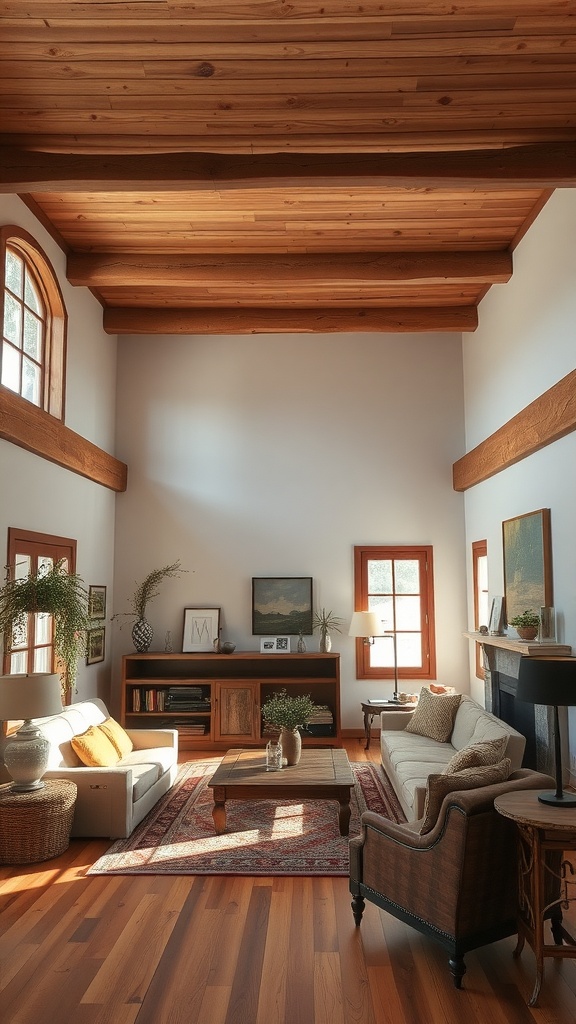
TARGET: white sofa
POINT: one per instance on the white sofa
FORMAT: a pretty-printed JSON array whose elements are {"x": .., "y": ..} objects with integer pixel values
[
  {"x": 111, "y": 801},
  {"x": 408, "y": 758}
]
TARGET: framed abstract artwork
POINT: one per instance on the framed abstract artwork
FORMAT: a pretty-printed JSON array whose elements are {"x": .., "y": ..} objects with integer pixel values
[
  {"x": 281, "y": 604},
  {"x": 201, "y": 629},
  {"x": 527, "y": 550}
]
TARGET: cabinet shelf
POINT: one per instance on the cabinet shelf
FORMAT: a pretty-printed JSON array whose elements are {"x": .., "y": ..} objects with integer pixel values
[{"x": 234, "y": 687}]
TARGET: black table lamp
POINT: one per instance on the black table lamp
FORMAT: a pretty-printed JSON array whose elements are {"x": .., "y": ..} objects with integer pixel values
[{"x": 552, "y": 682}]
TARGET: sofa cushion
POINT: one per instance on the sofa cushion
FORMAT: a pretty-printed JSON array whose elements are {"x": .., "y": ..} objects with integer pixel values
[
  {"x": 162, "y": 758},
  {"x": 434, "y": 715},
  {"x": 439, "y": 786},
  {"x": 144, "y": 776},
  {"x": 117, "y": 736},
  {"x": 476, "y": 754},
  {"x": 95, "y": 749}
]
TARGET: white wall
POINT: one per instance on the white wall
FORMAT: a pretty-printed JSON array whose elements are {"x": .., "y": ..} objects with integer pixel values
[
  {"x": 525, "y": 343},
  {"x": 275, "y": 455},
  {"x": 36, "y": 495}
]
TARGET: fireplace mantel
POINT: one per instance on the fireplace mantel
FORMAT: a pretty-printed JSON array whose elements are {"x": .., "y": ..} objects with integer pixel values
[{"x": 527, "y": 648}]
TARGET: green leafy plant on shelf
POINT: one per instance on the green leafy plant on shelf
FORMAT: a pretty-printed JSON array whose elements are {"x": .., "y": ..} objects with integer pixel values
[
  {"x": 283, "y": 711},
  {"x": 528, "y": 619},
  {"x": 59, "y": 593}
]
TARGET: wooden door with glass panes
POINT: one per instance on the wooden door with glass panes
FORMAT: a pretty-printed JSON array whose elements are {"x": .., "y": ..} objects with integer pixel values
[{"x": 31, "y": 648}]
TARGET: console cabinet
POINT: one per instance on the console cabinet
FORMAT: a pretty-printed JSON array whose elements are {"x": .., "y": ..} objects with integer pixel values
[{"x": 214, "y": 700}]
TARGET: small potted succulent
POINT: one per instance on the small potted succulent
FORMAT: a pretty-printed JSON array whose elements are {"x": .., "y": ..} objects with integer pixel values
[
  {"x": 526, "y": 625},
  {"x": 288, "y": 714}
]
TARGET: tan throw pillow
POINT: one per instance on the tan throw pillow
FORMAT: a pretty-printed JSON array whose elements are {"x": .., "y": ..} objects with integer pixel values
[
  {"x": 438, "y": 786},
  {"x": 95, "y": 749},
  {"x": 476, "y": 754},
  {"x": 434, "y": 715},
  {"x": 117, "y": 736}
]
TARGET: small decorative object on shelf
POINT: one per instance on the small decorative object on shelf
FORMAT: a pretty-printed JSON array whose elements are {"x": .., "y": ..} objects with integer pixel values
[
  {"x": 526, "y": 625},
  {"x": 301, "y": 645},
  {"x": 168, "y": 642},
  {"x": 547, "y": 624},
  {"x": 228, "y": 647},
  {"x": 274, "y": 754},
  {"x": 324, "y": 622}
]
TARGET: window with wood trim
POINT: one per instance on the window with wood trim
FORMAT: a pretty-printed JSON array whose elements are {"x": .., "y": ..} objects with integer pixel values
[
  {"x": 480, "y": 585},
  {"x": 31, "y": 649},
  {"x": 32, "y": 357},
  {"x": 398, "y": 584}
]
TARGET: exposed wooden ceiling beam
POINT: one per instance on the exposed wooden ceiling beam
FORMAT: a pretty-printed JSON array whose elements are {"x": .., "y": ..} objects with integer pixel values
[
  {"x": 546, "y": 419},
  {"x": 541, "y": 165},
  {"x": 275, "y": 321},
  {"x": 110, "y": 270},
  {"x": 23, "y": 424}
]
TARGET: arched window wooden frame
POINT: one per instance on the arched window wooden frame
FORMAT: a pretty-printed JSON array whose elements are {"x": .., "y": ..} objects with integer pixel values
[{"x": 54, "y": 359}]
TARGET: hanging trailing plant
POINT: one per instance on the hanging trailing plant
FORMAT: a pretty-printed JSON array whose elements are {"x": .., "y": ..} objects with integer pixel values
[{"x": 59, "y": 593}]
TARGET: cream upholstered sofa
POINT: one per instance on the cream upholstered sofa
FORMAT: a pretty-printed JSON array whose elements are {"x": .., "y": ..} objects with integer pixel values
[
  {"x": 409, "y": 758},
  {"x": 111, "y": 801}
]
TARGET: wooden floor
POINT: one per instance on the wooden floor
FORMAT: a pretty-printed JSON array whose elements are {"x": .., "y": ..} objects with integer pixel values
[{"x": 205, "y": 950}]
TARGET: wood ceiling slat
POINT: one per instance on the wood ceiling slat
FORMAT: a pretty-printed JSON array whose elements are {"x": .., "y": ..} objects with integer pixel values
[{"x": 249, "y": 9}]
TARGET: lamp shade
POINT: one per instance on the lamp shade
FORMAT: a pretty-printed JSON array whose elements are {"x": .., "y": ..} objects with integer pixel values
[
  {"x": 365, "y": 624},
  {"x": 550, "y": 681},
  {"x": 35, "y": 695}
]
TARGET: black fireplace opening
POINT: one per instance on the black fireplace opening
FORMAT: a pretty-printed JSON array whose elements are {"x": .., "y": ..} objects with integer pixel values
[{"x": 520, "y": 715}]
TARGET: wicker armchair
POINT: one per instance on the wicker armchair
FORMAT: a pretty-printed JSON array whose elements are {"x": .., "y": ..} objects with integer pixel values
[{"x": 457, "y": 883}]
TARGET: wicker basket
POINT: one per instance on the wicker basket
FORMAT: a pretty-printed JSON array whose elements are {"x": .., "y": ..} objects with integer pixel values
[{"x": 35, "y": 826}]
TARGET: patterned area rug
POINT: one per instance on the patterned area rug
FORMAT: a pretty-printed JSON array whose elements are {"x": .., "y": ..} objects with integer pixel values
[{"x": 263, "y": 837}]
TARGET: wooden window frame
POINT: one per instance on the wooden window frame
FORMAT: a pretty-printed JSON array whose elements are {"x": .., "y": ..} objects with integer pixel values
[
  {"x": 56, "y": 322},
  {"x": 424, "y": 553},
  {"x": 479, "y": 550}
]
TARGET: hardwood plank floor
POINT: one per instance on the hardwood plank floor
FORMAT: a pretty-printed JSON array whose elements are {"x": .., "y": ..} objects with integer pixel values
[{"x": 232, "y": 950}]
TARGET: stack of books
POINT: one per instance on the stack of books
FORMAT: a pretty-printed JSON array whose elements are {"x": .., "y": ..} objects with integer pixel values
[{"x": 321, "y": 721}]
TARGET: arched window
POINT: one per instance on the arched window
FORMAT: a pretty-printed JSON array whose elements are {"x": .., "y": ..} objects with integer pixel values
[{"x": 32, "y": 358}]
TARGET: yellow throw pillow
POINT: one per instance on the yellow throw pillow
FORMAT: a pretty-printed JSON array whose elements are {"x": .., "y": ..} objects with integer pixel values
[
  {"x": 434, "y": 715},
  {"x": 95, "y": 749},
  {"x": 117, "y": 736},
  {"x": 438, "y": 786}
]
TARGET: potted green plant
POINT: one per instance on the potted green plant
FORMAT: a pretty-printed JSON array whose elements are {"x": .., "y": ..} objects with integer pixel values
[
  {"x": 526, "y": 625},
  {"x": 288, "y": 714},
  {"x": 61, "y": 594},
  {"x": 325, "y": 622},
  {"x": 142, "y": 632}
]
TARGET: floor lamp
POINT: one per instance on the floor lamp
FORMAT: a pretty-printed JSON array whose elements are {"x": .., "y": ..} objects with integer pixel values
[{"x": 551, "y": 682}]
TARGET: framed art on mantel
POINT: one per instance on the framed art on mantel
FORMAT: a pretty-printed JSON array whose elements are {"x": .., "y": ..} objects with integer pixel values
[{"x": 527, "y": 548}]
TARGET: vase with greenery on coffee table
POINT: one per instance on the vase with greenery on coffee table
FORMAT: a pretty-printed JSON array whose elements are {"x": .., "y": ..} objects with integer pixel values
[{"x": 321, "y": 774}]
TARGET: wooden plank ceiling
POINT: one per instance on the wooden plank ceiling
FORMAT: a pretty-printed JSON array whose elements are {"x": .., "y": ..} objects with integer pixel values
[{"x": 231, "y": 166}]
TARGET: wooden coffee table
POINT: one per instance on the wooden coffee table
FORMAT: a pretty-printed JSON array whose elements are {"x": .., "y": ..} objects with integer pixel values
[{"x": 323, "y": 774}]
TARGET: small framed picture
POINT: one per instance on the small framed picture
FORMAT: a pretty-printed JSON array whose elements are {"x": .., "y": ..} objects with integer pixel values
[
  {"x": 95, "y": 644},
  {"x": 96, "y": 602},
  {"x": 275, "y": 645},
  {"x": 201, "y": 629},
  {"x": 496, "y": 625}
]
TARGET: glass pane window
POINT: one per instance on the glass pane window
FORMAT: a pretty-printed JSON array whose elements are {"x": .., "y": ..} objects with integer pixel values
[
  {"x": 397, "y": 584},
  {"x": 14, "y": 273},
  {"x": 24, "y": 330}
]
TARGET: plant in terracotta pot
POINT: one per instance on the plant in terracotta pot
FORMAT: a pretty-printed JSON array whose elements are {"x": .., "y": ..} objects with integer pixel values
[
  {"x": 142, "y": 632},
  {"x": 288, "y": 714},
  {"x": 526, "y": 625},
  {"x": 61, "y": 594}
]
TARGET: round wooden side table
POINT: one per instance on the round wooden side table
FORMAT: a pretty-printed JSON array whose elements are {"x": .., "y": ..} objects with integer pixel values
[
  {"x": 545, "y": 833},
  {"x": 370, "y": 708},
  {"x": 35, "y": 826}
]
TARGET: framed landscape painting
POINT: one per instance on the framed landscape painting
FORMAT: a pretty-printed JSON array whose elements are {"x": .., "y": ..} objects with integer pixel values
[
  {"x": 527, "y": 549},
  {"x": 281, "y": 604}
]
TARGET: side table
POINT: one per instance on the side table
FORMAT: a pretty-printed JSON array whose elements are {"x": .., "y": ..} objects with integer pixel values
[
  {"x": 35, "y": 826},
  {"x": 545, "y": 833},
  {"x": 370, "y": 708}
]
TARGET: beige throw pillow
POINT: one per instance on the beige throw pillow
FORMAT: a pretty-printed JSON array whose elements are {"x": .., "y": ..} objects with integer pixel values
[
  {"x": 438, "y": 786},
  {"x": 434, "y": 715},
  {"x": 476, "y": 754}
]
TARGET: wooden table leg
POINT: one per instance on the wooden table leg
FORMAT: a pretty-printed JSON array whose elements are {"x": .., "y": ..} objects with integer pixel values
[{"x": 219, "y": 810}]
